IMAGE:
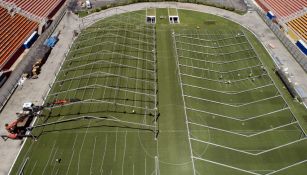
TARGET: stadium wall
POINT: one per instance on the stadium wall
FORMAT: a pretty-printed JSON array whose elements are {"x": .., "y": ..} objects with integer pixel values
[{"x": 11, "y": 84}]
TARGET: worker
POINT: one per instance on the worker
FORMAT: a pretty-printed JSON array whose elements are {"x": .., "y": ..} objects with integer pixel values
[{"x": 58, "y": 160}]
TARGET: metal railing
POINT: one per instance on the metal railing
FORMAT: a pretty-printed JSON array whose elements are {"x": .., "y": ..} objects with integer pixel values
[
  {"x": 11, "y": 84},
  {"x": 300, "y": 57}
]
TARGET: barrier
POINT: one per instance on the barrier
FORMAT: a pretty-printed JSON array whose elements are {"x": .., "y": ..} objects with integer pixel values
[{"x": 11, "y": 84}]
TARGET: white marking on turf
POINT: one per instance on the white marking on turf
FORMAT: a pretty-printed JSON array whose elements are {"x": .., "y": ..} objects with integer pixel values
[
  {"x": 33, "y": 168},
  {"x": 50, "y": 155},
  {"x": 104, "y": 153},
  {"x": 93, "y": 153},
  {"x": 125, "y": 144},
  {"x": 79, "y": 157},
  {"x": 115, "y": 146},
  {"x": 228, "y": 166},
  {"x": 145, "y": 166},
  {"x": 185, "y": 111},
  {"x": 72, "y": 155},
  {"x": 287, "y": 167}
]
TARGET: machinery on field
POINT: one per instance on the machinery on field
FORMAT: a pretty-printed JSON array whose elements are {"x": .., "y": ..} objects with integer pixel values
[{"x": 18, "y": 128}]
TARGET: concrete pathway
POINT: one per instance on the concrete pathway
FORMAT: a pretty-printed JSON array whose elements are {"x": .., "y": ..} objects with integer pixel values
[{"x": 33, "y": 90}]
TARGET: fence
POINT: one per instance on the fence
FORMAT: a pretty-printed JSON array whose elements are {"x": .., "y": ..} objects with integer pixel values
[
  {"x": 11, "y": 84},
  {"x": 292, "y": 48}
]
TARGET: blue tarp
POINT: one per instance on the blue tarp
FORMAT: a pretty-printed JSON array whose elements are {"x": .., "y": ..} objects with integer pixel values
[{"x": 50, "y": 42}]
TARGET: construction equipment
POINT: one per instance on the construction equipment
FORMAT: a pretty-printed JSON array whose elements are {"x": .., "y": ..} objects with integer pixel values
[
  {"x": 62, "y": 102},
  {"x": 17, "y": 128}
]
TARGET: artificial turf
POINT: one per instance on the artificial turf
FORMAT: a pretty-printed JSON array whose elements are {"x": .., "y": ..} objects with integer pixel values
[{"x": 209, "y": 83}]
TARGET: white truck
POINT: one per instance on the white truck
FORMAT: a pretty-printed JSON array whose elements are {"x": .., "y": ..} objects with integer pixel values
[{"x": 88, "y": 4}]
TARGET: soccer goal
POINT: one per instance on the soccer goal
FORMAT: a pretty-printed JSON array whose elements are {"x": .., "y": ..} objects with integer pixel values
[
  {"x": 150, "y": 15},
  {"x": 173, "y": 16}
]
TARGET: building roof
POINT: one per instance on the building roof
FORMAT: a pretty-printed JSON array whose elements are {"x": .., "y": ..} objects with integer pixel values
[
  {"x": 14, "y": 30},
  {"x": 40, "y": 8}
]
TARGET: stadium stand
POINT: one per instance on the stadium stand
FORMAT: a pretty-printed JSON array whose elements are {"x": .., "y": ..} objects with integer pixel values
[
  {"x": 282, "y": 8},
  {"x": 14, "y": 30},
  {"x": 299, "y": 25},
  {"x": 40, "y": 8}
]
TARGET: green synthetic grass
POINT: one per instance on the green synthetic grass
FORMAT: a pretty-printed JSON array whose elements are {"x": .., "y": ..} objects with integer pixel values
[
  {"x": 151, "y": 12},
  {"x": 172, "y": 12},
  {"x": 230, "y": 124}
]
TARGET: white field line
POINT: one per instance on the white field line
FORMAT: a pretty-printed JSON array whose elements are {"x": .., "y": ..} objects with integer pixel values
[
  {"x": 201, "y": 39},
  {"x": 50, "y": 155},
  {"x": 125, "y": 145},
  {"x": 220, "y": 72},
  {"x": 185, "y": 111},
  {"x": 238, "y": 119},
  {"x": 113, "y": 28},
  {"x": 245, "y": 151},
  {"x": 95, "y": 86},
  {"x": 202, "y": 34},
  {"x": 115, "y": 146},
  {"x": 86, "y": 48},
  {"x": 79, "y": 154},
  {"x": 254, "y": 50},
  {"x": 211, "y": 47},
  {"x": 222, "y": 81},
  {"x": 157, "y": 166},
  {"x": 216, "y": 54},
  {"x": 53, "y": 162},
  {"x": 218, "y": 62},
  {"x": 137, "y": 72},
  {"x": 93, "y": 101},
  {"x": 276, "y": 171},
  {"x": 228, "y": 166},
  {"x": 104, "y": 154},
  {"x": 244, "y": 135},
  {"x": 25, "y": 156},
  {"x": 107, "y": 35},
  {"x": 72, "y": 155},
  {"x": 108, "y": 52},
  {"x": 93, "y": 154},
  {"x": 103, "y": 75},
  {"x": 229, "y": 92},
  {"x": 106, "y": 62},
  {"x": 233, "y": 105},
  {"x": 105, "y": 55},
  {"x": 145, "y": 167},
  {"x": 221, "y": 146},
  {"x": 33, "y": 168}
]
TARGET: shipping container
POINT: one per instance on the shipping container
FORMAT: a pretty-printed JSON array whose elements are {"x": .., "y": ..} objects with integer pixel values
[
  {"x": 302, "y": 46},
  {"x": 270, "y": 15},
  {"x": 28, "y": 43}
]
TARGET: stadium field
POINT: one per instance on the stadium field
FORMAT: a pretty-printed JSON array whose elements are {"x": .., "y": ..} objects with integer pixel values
[{"x": 200, "y": 97}]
